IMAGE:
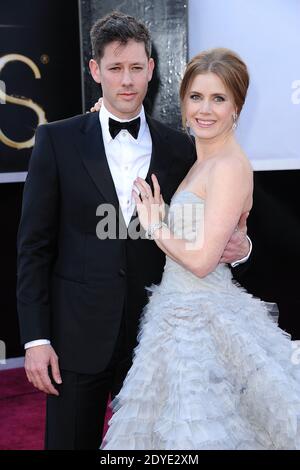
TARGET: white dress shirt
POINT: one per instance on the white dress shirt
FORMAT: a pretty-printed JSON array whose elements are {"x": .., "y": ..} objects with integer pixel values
[
  {"x": 243, "y": 260},
  {"x": 127, "y": 158}
]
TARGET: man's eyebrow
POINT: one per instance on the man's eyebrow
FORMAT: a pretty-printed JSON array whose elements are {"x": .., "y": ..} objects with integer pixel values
[{"x": 121, "y": 63}]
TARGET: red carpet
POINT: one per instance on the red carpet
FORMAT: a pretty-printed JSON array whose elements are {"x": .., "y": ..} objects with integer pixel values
[{"x": 22, "y": 412}]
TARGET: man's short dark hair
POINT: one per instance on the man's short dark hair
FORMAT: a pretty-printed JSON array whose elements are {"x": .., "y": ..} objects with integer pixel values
[{"x": 117, "y": 26}]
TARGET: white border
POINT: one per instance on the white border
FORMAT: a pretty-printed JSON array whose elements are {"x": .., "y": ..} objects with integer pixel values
[
  {"x": 13, "y": 177},
  {"x": 275, "y": 164},
  {"x": 12, "y": 363}
]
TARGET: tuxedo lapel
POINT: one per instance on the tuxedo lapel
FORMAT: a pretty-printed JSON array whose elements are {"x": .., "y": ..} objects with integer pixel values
[
  {"x": 91, "y": 148},
  {"x": 161, "y": 158}
]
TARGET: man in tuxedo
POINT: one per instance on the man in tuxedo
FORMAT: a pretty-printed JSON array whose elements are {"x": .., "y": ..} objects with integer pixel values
[{"x": 80, "y": 296}]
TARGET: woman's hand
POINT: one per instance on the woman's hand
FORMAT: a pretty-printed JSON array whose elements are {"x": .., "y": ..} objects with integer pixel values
[
  {"x": 150, "y": 207},
  {"x": 97, "y": 106}
]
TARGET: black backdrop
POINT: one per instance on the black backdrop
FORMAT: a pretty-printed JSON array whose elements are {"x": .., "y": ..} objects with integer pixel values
[
  {"x": 274, "y": 227},
  {"x": 46, "y": 32}
]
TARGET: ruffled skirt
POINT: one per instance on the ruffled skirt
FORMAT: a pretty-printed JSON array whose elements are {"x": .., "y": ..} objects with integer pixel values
[{"x": 211, "y": 371}]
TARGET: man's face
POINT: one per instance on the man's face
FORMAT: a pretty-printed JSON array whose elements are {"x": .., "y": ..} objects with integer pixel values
[{"x": 124, "y": 72}]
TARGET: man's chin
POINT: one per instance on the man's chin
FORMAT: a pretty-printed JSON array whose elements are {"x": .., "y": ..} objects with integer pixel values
[{"x": 129, "y": 108}]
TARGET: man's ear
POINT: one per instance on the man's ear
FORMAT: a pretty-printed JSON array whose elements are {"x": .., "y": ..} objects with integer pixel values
[
  {"x": 151, "y": 65},
  {"x": 95, "y": 70}
]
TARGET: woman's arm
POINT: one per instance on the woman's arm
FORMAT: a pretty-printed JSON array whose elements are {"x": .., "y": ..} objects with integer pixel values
[{"x": 228, "y": 188}]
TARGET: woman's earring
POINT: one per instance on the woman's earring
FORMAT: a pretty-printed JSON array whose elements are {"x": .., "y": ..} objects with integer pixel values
[{"x": 234, "y": 117}]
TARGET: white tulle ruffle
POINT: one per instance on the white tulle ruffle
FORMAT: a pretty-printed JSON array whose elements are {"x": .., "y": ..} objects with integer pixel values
[
  {"x": 208, "y": 373},
  {"x": 212, "y": 370}
]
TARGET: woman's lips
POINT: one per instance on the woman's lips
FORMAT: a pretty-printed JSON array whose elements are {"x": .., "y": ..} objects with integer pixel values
[{"x": 205, "y": 122}]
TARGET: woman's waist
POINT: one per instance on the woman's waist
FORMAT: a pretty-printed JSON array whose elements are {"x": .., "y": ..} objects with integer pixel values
[{"x": 176, "y": 276}]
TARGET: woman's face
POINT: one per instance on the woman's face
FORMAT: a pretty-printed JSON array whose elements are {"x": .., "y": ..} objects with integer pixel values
[{"x": 209, "y": 107}]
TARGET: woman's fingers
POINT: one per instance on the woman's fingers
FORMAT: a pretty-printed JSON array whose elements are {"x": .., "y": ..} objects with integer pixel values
[
  {"x": 136, "y": 197},
  {"x": 96, "y": 106},
  {"x": 144, "y": 188},
  {"x": 162, "y": 206},
  {"x": 140, "y": 188},
  {"x": 156, "y": 188}
]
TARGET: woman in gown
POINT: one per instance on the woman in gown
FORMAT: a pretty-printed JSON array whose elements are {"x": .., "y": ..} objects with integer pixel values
[{"x": 212, "y": 370}]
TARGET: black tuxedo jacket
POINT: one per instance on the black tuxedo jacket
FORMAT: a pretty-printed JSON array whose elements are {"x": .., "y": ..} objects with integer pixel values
[{"x": 73, "y": 287}]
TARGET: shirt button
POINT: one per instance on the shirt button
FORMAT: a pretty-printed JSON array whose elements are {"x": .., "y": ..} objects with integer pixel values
[
  {"x": 122, "y": 272},
  {"x": 126, "y": 168},
  {"x": 123, "y": 133}
]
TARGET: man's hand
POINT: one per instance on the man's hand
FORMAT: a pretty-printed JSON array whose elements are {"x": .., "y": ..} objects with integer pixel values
[
  {"x": 37, "y": 360},
  {"x": 238, "y": 245}
]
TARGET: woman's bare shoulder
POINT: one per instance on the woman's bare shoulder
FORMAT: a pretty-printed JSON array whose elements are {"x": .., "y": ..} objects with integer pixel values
[
  {"x": 233, "y": 170},
  {"x": 234, "y": 163}
]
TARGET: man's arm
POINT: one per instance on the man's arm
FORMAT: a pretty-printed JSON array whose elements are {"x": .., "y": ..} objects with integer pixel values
[
  {"x": 37, "y": 249},
  {"x": 36, "y": 240}
]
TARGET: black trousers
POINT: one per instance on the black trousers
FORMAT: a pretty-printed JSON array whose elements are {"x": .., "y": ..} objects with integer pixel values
[{"x": 75, "y": 419}]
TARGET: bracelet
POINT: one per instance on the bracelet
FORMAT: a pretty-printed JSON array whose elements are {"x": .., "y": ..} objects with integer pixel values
[{"x": 151, "y": 229}]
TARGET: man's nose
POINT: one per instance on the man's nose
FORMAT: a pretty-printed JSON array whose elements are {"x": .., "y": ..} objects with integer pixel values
[{"x": 126, "y": 78}]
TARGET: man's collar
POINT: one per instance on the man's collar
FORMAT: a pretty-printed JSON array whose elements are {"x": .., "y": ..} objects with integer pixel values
[{"x": 104, "y": 115}]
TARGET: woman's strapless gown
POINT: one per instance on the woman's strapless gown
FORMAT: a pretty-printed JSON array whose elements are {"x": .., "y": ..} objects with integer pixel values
[{"x": 212, "y": 370}]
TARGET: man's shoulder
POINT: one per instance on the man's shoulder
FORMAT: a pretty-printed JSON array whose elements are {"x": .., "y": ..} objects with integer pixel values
[
  {"x": 70, "y": 124},
  {"x": 170, "y": 131},
  {"x": 180, "y": 142}
]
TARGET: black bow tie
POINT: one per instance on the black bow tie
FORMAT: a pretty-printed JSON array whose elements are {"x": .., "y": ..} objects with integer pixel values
[{"x": 132, "y": 126}]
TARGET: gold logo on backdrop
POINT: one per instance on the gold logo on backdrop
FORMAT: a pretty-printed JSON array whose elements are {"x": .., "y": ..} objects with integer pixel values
[{"x": 4, "y": 98}]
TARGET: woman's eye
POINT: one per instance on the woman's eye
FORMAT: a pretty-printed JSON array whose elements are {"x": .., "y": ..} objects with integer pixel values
[
  {"x": 219, "y": 99},
  {"x": 195, "y": 97}
]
